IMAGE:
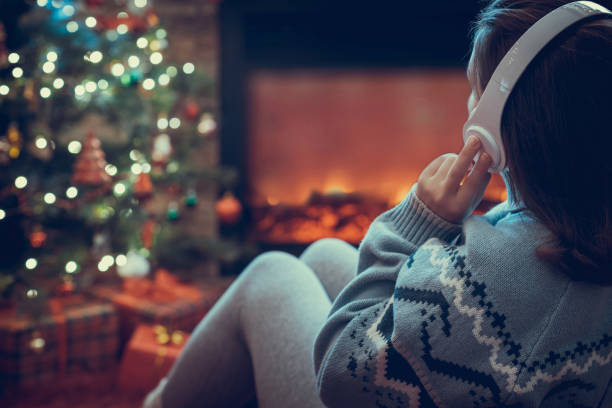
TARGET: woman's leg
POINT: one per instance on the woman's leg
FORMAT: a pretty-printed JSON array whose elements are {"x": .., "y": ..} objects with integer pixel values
[
  {"x": 260, "y": 333},
  {"x": 333, "y": 261}
]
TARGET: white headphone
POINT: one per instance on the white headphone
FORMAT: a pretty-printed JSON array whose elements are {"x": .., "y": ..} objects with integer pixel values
[{"x": 484, "y": 121}]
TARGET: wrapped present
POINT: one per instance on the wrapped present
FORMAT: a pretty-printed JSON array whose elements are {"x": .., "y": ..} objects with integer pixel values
[
  {"x": 149, "y": 356},
  {"x": 164, "y": 301},
  {"x": 75, "y": 336}
]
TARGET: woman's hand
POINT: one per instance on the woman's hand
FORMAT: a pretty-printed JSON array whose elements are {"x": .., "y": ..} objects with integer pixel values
[{"x": 440, "y": 186}]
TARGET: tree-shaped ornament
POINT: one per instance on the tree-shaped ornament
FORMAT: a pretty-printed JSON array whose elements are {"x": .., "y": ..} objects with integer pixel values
[{"x": 89, "y": 167}]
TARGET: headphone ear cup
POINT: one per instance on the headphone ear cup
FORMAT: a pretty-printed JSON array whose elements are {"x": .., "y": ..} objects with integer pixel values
[{"x": 489, "y": 145}]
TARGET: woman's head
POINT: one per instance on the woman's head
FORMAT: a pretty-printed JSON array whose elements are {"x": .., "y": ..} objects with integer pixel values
[{"x": 557, "y": 130}]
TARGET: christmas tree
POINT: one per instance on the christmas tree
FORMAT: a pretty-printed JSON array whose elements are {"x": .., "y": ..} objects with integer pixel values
[{"x": 97, "y": 134}]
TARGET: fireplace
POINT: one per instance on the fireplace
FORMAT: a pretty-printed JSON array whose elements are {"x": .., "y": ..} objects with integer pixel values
[{"x": 330, "y": 112}]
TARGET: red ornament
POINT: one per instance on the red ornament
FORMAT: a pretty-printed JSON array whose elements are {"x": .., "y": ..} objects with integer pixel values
[
  {"x": 143, "y": 187},
  {"x": 229, "y": 209},
  {"x": 37, "y": 239},
  {"x": 192, "y": 110},
  {"x": 88, "y": 169}
]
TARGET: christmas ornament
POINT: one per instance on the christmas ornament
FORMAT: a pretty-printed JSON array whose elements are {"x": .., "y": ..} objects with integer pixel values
[
  {"x": 173, "y": 211},
  {"x": 66, "y": 287},
  {"x": 228, "y": 209},
  {"x": 191, "y": 110},
  {"x": 143, "y": 187},
  {"x": 15, "y": 141},
  {"x": 136, "y": 265},
  {"x": 38, "y": 237},
  {"x": 88, "y": 169},
  {"x": 191, "y": 199}
]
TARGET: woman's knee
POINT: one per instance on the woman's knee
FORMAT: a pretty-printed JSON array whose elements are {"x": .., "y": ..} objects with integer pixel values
[
  {"x": 275, "y": 273},
  {"x": 326, "y": 247}
]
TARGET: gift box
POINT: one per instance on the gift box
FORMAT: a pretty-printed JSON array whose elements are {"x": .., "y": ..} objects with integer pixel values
[
  {"x": 149, "y": 356},
  {"x": 75, "y": 336},
  {"x": 163, "y": 300}
]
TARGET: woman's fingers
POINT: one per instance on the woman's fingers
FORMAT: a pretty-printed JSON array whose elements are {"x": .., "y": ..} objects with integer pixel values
[
  {"x": 476, "y": 182},
  {"x": 464, "y": 160}
]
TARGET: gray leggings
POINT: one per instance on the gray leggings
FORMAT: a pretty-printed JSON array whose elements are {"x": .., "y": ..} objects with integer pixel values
[{"x": 258, "y": 338}]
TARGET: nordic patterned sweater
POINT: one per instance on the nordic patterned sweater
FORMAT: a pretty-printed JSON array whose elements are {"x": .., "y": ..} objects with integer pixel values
[{"x": 446, "y": 315}]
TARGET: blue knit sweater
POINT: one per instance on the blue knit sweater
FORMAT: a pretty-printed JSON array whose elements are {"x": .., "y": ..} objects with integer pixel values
[{"x": 446, "y": 315}]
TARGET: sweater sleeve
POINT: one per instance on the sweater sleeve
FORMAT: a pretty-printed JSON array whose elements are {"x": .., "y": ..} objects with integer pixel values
[{"x": 347, "y": 340}]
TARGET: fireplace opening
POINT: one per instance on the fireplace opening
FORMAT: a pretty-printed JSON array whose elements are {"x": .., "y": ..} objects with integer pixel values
[
  {"x": 330, "y": 110},
  {"x": 332, "y": 149}
]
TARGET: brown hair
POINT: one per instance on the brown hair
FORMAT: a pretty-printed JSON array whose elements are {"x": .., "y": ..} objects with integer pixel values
[{"x": 557, "y": 131}]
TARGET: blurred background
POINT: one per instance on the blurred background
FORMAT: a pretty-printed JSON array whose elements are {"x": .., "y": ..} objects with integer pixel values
[{"x": 149, "y": 149}]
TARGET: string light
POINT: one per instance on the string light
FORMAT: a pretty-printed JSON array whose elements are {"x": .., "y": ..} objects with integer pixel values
[
  {"x": 17, "y": 72},
  {"x": 122, "y": 29},
  {"x": 110, "y": 169},
  {"x": 207, "y": 124},
  {"x": 161, "y": 33},
  {"x": 95, "y": 57},
  {"x": 45, "y": 92},
  {"x": 48, "y": 67},
  {"x": 58, "y": 83},
  {"x": 133, "y": 61},
  {"x": 162, "y": 123},
  {"x": 91, "y": 21},
  {"x": 117, "y": 69},
  {"x": 172, "y": 71},
  {"x": 103, "y": 84},
  {"x": 32, "y": 293},
  {"x": 156, "y": 58},
  {"x": 146, "y": 168},
  {"x": 2, "y": 214},
  {"x": 164, "y": 79},
  {"x": 21, "y": 182},
  {"x": 79, "y": 90},
  {"x": 68, "y": 10},
  {"x": 31, "y": 263},
  {"x": 105, "y": 263},
  {"x": 72, "y": 26},
  {"x": 72, "y": 192},
  {"x": 140, "y": 3},
  {"x": 42, "y": 3},
  {"x": 119, "y": 189},
  {"x": 13, "y": 58},
  {"x": 121, "y": 260},
  {"x": 148, "y": 84},
  {"x": 135, "y": 154},
  {"x": 56, "y": 3},
  {"x": 41, "y": 142},
  {"x": 71, "y": 267},
  {"x": 188, "y": 68},
  {"x": 52, "y": 56},
  {"x": 74, "y": 147},
  {"x": 122, "y": 14},
  {"x": 175, "y": 123},
  {"x": 4, "y": 89},
  {"x": 155, "y": 45},
  {"x": 142, "y": 42},
  {"x": 90, "y": 86},
  {"x": 136, "y": 168},
  {"x": 49, "y": 198}
]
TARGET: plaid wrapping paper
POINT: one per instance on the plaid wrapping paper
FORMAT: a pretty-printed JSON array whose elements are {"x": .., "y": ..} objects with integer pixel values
[
  {"x": 146, "y": 361},
  {"x": 164, "y": 301},
  {"x": 77, "y": 337}
]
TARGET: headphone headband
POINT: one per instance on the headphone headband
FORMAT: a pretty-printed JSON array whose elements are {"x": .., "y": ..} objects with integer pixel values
[{"x": 485, "y": 120}]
